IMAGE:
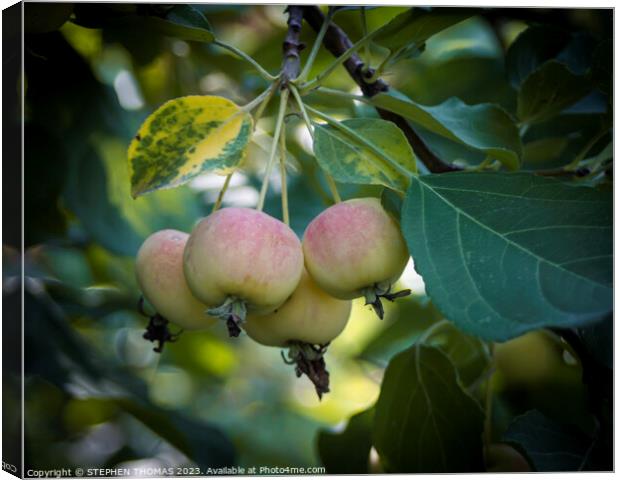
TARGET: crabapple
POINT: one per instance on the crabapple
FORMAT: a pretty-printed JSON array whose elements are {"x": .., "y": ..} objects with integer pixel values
[
  {"x": 354, "y": 249},
  {"x": 305, "y": 324},
  {"x": 159, "y": 271},
  {"x": 309, "y": 316},
  {"x": 240, "y": 260}
]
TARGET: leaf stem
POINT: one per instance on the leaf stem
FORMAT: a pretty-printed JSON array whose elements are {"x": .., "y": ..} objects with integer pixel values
[
  {"x": 220, "y": 197},
  {"x": 333, "y": 189},
  {"x": 284, "y": 193},
  {"x": 263, "y": 73},
  {"x": 379, "y": 70},
  {"x": 337, "y": 62},
  {"x": 584, "y": 151},
  {"x": 302, "y": 108},
  {"x": 261, "y": 100},
  {"x": 315, "y": 49},
  {"x": 371, "y": 146},
  {"x": 274, "y": 146},
  {"x": 431, "y": 330},
  {"x": 330, "y": 181},
  {"x": 342, "y": 94}
]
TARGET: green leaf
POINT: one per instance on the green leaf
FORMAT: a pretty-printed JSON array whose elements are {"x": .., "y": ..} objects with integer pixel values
[
  {"x": 481, "y": 78},
  {"x": 184, "y": 22},
  {"x": 417, "y": 25},
  {"x": 550, "y": 446},
  {"x": 548, "y": 90},
  {"x": 188, "y": 16},
  {"x": 392, "y": 202},
  {"x": 468, "y": 354},
  {"x": 577, "y": 55},
  {"x": 485, "y": 127},
  {"x": 531, "y": 49},
  {"x": 457, "y": 152},
  {"x": 367, "y": 154},
  {"x": 408, "y": 52},
  {"x": 543, "y": 150},
  {"x": 414, "y": 317},
  {"x": 424, "y": 422},
  {"x": 570, "y": 133},
  {"x": 503, "y": 254},
  {"x": 348, "y": 452},
  {"x": 185, "y": 137}
]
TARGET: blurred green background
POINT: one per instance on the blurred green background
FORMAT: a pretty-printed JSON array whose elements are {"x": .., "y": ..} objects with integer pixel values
[{"x": 96, "y": 393}]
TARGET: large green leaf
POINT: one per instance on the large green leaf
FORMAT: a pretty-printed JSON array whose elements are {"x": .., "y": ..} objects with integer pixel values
[
  {"x": 417, "y": 25},
  {"x": 424, "y": 421},
  {"x": 481, "y": 78},
  {"x": 185, "y": 137},
  {"x": 555, "y": 142},
  {"x": 392, "y": 202},
  {"x": 365, "y": 155},
  {"x": 184, "y": 22},
  {"x": 548, "y": 90},
  {"x": 551, "y": 446},
  {"x": 414, "y": 318},
  {"x": 189, "y": 18},
  {"x": 407, "y": 322},
  {"x": 502, "y": 254},
  {"x": 485, "y": 127},
  {"x": 578, "y": 53},
  {"x": 457, "y": 152},
  {"x": 531, "y": 49},
  {"x": 180, "y": 21},
  {"x": 348, "y": 452}
]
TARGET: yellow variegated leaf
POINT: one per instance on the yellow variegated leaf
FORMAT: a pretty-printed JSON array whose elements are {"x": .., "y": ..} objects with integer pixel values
[
  {"x": 369, "y": 154},
  {"x": 185, "y": 137}
]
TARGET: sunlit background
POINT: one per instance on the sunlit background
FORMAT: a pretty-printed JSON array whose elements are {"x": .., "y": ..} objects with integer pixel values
[{"x": 96, "y": 393}]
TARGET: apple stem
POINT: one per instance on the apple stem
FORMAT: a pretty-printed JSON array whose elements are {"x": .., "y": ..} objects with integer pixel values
[
  {"x": 374, "y": 294},
  {"x": 309, "y": 360},
  {"x": 233, "y": 311},
  {"x": 157, "y": 329}
]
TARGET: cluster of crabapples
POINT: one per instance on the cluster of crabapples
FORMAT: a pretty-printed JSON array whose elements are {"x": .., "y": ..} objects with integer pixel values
[{"x": 251, "y": 271}]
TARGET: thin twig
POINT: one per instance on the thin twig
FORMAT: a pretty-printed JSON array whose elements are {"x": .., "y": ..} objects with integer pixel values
[
  {"x": 220, "y": 197},
  {"x": 284, "y": 192},
  {"x": 291, "y": 46}
]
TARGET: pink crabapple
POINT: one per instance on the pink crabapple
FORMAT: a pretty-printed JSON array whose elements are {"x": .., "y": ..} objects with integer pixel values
[{"x": 355, "y": 248}]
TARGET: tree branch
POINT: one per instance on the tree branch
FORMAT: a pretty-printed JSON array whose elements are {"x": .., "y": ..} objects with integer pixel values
[
  {"x": 292, "y": 46},
  {"x": 337, "y": 42}
]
